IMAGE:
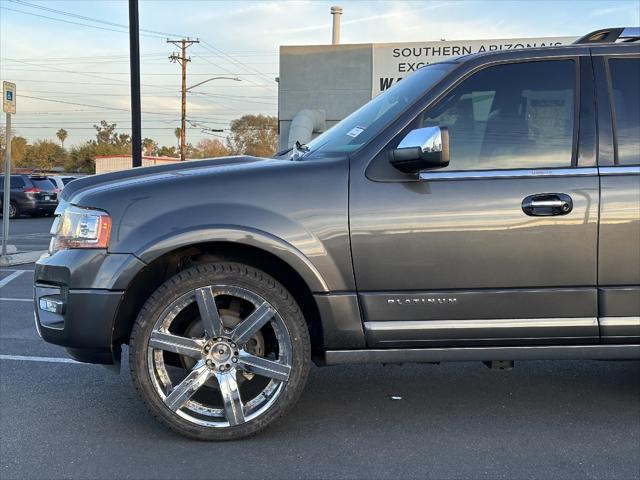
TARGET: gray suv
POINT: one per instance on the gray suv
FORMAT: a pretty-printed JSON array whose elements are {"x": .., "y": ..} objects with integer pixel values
[
  {"x": 485, "y": 208},
  {"x": 33, "y": 195}
]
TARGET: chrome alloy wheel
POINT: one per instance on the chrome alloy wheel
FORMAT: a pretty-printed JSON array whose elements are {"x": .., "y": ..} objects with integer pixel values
[{"x": 202, "y": 350}]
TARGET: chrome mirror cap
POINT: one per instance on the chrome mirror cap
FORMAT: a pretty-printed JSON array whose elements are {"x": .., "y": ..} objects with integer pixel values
[{"x": 429, "y": 139}]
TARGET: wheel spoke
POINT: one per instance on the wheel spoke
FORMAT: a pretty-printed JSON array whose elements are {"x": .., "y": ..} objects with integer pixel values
[
  {"x": 190, "y": 385},
  {"x": 233, "y": 407},
  {"x": 190, "y": 347},
  {"x": 209, "y": 312},
  {"x": 264, "y": 367},
  {"x": 254, "y": 322}
]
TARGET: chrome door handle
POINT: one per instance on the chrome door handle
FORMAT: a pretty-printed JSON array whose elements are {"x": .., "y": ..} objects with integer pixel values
[{"x": 547, "y": 204}]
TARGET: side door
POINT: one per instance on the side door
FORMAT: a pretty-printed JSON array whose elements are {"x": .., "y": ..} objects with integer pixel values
[
  {"x": 618, "y": 91},
  {"x": 451, "y": 257}
]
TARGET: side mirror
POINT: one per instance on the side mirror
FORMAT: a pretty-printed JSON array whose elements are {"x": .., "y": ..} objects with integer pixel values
[{"x": 422, "y": 149}]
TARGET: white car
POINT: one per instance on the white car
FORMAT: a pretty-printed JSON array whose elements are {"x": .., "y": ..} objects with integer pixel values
[{"x": 60, "y": 181}]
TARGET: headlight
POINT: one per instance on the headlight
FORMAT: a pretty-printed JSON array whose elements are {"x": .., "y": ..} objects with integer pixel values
[{"x": 78, "y": 227}]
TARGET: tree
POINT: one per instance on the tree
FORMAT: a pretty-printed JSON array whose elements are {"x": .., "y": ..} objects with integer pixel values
[
  {"x": 18, "y": 147},
  {"x": 210, "y": 148},
  {"x": 253, "y": 135},
  {"x": 178, "y": 133},
  {"x": 149, "y": 146},
  {"x": 43, "y": 155},
  {"x": 105, "y": 132},
  {"x": 165, "y": 151},
  {"x": 62, "y": 136}
]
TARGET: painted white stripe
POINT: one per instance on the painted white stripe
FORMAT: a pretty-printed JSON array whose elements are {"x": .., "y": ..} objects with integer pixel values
[
  {"x": 14, "y": 275},
  {"x": 23, "y": 358},
  {"x": 16, "y": 299}
]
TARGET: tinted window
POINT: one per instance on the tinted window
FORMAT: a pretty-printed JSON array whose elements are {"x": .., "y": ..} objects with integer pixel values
[
  {"x": 625, "y": 80},
  {"x": 17, "y": 182},
  {"x": 510, "y": 116},
  {"x": 66, "y": 180},
  {"x": 43, "y": 183}
]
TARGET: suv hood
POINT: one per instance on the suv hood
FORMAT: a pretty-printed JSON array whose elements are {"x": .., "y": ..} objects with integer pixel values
[{"x": 122, "y": 177}]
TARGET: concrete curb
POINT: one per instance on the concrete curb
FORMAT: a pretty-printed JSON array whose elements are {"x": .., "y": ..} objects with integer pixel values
[{"x": 21, "y": 258}]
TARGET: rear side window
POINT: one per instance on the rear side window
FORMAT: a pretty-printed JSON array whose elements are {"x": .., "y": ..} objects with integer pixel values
[
  {"x": 66, "y": 180},
  {"x": 518, "y": 115},
  {"x": 17, "y": 182},
  {"x": 43, "y": 183},
  {"x": 625, "y": 83}
]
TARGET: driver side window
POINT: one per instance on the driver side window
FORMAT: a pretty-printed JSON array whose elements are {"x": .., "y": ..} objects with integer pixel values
[{"x": 511, "y": 116}]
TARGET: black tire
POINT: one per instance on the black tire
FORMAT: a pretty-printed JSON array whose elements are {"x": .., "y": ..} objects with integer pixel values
[
  {"x": 14, "y": 210},
  {"x": 216, "y": 274}
]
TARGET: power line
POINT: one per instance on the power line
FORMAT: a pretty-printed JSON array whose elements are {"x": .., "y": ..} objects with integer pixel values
[
  {"x": 210, "y": 47},
  {"x": 91, "y": 19},
  {"x": 87, "y": 105},
  {"x": 74, "y": 23},
  {"x": 164, "y": 86},
  {"x": 12, "y": 68}
]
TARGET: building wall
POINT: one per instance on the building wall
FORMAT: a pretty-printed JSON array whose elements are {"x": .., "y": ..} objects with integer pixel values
[
  {"x": 333, "y": 78},
  {"x": 113, "y": 164}
]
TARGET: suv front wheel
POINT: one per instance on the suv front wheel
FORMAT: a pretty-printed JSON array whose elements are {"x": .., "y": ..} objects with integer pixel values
[{"x": 220, "y": 351}]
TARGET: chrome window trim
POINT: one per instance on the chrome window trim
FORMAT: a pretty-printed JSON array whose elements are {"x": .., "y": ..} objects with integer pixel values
[
  {"x": 519, "y": 173},
  {"x": 620, "y": 170}
]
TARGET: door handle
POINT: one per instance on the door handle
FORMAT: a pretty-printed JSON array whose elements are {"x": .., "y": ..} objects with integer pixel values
[{"x": 547, "y": 204}]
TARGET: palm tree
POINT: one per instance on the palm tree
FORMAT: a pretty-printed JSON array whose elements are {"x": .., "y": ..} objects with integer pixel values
[
  {"x": 62, "y": 136},
  {"x": 178, "y": 133},
  {"x": 148, "y": 145}
]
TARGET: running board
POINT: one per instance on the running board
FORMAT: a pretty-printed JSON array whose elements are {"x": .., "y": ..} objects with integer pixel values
[{"x": 484, "y": 354}]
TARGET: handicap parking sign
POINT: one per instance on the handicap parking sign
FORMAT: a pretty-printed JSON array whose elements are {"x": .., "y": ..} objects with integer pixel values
[{"x": 9, "y": 97}]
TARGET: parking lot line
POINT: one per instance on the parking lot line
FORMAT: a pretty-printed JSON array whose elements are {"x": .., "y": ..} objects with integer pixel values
[
  {"x": 25, "y": 358},
  {"x": 16, "y": 299},
  {"x": 12, "y": 276}
]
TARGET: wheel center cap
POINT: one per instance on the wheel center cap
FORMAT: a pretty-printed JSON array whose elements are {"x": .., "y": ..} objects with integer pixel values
[{"x": 220, "y": 352}]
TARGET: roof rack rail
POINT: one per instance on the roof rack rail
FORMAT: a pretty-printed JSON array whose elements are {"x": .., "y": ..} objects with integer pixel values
[{"x": 611, "y": 35}]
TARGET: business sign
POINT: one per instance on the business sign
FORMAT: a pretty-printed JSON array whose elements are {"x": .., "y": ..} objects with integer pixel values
[
  {"x": 394, "y": 61},
  {"x": 8, "y": 97}
]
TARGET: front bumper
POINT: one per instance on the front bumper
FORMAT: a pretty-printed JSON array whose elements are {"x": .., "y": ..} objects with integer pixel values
[
  {"x": 31, "y": 205},
  {"x": 77, "y": 294},
  {"x": 85, "y": 323}
]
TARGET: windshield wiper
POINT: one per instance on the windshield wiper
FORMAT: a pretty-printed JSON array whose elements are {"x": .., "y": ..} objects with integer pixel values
[{"x": 299, "y": 149}]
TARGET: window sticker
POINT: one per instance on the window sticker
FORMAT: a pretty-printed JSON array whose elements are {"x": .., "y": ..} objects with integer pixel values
[{"x": 355, "y": 131}]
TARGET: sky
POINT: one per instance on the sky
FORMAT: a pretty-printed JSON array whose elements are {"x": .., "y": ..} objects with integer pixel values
[{"x": 70, "y": 62}]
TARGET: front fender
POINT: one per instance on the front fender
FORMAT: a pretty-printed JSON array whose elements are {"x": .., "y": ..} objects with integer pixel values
[{"x": 244, "y": 236}]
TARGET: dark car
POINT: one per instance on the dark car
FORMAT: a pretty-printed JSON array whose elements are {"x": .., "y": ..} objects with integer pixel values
[
  {"x": 31, "y": 195},
  {"x": 485, "y": 208}
]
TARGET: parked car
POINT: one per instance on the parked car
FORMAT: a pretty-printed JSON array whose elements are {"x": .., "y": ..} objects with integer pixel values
[
  {"x": 60, "y": 181},
  {"x": 484, "y": 208},
  {"x": 33, "y": 195}
]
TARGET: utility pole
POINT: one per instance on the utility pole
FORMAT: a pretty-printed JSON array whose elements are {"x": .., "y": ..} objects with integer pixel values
[{"x": 182, "y": 59}]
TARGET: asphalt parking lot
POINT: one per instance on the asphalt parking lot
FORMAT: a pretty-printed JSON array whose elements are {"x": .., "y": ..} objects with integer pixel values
[
  {"x": 29, "y": 234},
  {"x": 59, "y": 419}
]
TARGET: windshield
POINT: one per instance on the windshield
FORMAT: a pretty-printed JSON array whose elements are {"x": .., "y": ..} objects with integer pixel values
[
  {"x": 43, "y": 184},
  {"x": 365, "y": 123}
]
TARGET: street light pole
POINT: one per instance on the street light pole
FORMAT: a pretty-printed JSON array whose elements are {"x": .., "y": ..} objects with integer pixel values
[{"x": 236, "y": 79}]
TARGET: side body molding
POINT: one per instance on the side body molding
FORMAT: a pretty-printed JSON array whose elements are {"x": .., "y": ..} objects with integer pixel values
[{"x": 244, "y": 236}]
